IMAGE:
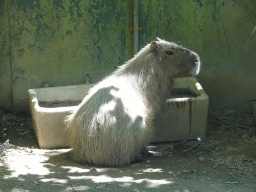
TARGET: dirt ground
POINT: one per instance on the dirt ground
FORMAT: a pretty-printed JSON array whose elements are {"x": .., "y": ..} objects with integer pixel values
[{"x": 225, "y": 161}]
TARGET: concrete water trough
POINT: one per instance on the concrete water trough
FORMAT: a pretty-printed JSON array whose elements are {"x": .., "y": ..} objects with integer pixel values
[
  {"x": 183, "y": 116},
  {"x": 49, "y": 107}
]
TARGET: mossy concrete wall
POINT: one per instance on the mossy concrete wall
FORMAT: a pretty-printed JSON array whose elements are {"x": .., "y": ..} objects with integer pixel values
[
  {"x": 223, "y": 32},
  {"x": 5, "y": 58},
  {"x": 60, "y": 41}
]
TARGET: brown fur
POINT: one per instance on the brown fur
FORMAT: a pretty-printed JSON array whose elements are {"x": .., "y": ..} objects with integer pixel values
[{"x": 114, "y": 121}]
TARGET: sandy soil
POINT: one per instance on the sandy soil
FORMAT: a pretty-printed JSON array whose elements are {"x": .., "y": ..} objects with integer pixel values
[{"x": 225, "y": 161}]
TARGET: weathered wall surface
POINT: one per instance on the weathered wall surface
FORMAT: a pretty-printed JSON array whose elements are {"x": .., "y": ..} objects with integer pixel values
[
  {"x": 59, "y": 42},
  {"x": 223, "y": 32},
  {"x": 5, "y": 58}
]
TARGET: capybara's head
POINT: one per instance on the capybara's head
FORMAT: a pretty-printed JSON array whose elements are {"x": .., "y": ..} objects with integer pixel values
[{"x": 177, "y": 60}]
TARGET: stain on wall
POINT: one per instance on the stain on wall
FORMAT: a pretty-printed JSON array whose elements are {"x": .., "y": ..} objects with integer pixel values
[
  {"x": 59, "y": 42},
  {"x": 5, "y": 58}
]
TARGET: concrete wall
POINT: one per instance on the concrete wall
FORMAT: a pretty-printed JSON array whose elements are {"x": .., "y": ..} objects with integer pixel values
[
  {"x": 5, "y": 58},
  {"x": 223, "y": 32},
  {"x": 60, "y": 41}
]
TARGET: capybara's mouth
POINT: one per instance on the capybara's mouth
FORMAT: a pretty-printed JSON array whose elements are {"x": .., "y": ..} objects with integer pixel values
[{"x": 197, "y": 69}]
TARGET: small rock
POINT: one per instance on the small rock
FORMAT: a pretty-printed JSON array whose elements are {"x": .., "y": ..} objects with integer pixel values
[{"x": 93, "y": 169}]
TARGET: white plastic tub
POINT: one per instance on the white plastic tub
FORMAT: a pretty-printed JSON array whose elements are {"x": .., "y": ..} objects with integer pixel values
[{"x": 180, "y": 118}]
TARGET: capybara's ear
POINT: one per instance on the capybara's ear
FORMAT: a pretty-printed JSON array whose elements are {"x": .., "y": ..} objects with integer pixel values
[
  {"x": 157, "y": 39},
  {"x": 154, "y": 46}
]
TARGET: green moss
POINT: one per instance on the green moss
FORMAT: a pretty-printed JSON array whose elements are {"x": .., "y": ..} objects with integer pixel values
[
  {"x": 25, "y": 5},
  {"x": 129, "y": 37},
  {"x": 87, "y": 34},
  {"x": 2, "y": 8}
]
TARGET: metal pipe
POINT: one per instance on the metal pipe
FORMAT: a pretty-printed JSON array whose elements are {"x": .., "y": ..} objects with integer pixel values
[{"x": 136, "y": 26}]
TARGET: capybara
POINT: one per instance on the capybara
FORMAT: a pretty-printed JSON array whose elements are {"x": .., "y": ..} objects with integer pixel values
[{"x": 114, "y": 121}]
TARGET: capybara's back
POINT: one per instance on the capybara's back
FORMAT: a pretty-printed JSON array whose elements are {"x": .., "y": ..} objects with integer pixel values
[{"x": 114, "y": 121}]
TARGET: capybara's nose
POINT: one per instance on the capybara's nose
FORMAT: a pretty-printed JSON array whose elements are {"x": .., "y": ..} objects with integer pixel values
[
  {"x": 195, "y": 59},
  {"x": 197, "y": 64}
]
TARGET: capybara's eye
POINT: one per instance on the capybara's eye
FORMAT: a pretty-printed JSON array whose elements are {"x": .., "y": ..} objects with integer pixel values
[{"x": 169, "y": 52}]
